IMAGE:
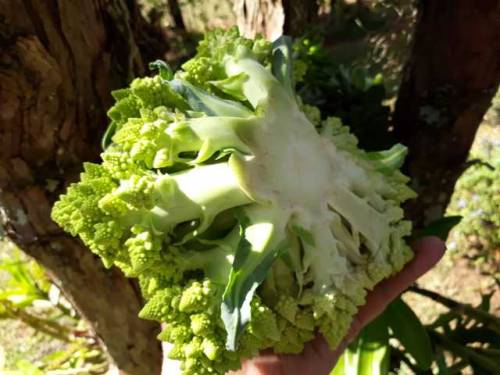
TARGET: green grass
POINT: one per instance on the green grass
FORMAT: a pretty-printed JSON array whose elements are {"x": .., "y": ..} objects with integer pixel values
[
  {"x": 26, "y": 292},
  {"x": 18, "y": 340},
  {"x": 21, "y": 342}
]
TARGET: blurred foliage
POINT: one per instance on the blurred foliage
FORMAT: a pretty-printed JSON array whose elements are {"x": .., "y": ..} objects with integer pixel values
[
  {"x": 373, "y": 34},
  {"x": 348, "y": 92},
  {"x": 464, "y": 336},
  {"x": 27, "y": 295},
  {"x": 198, "y": 15},
  {"x": 354, "y": 64},
  {"x": 477, "y": 199},
  {"x": 463, "y": 339}
]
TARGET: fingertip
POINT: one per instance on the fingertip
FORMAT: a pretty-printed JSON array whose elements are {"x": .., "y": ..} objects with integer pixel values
[
  {"x": 428, "y": 250},
  {"x": 429, "y": 241}
]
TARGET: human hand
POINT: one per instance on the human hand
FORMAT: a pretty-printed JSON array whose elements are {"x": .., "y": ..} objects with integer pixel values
[{"x": 317, "y": 358}]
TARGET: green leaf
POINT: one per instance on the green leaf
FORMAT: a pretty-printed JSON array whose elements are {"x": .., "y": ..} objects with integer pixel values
[
  {"x": 444, "y": 319},
  {"x": 359, "y": 78},
  {"x": 486, "y": 301},
  {"x": 442, "y": 368},
  {"x": 232, "y": 85},
  {"x": 304, "y": 234},
  {"x": 253, "y": 258},
  {"x": 440, "y": 228},
  {"x": 163, "y": 69},
  {"x": 22, "y": 280},
  {"x": 108, "y": 135},
  {"x": 18, "y": 299},
  {"x": 339, "y": 368},
  {"x": 27, "y": 368},
  {"x": 369, "y": 353},
  {"x": 389, "y": 160},
  {"x": 410, "y": 332},
  {"x": 59, "y": 357},
  {"x": 203, "y": 101},
  {"x": 282, "y": 62}
]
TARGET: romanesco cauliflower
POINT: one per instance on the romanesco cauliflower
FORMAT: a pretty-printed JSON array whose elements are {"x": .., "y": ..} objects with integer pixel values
[{"x": 250, "y": 221}]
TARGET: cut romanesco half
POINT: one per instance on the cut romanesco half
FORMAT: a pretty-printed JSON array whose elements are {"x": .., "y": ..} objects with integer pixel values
[{"x": 250, "y": 221}]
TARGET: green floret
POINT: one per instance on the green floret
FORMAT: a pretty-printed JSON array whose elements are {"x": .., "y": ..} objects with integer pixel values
[
  {"x": 143, "y": 249},
  {"x": 153, "y": 92},
  {"x": 207, "y": 66},
  {"x": 196, "y": 298},
  {"x": 126, "y": 106},
  {"x": 251, "y": 221},
  {"x": 144, "y": 94},
  {"x": 264, "y": 324},
  {"x": 193, "y": 324},
  {"x": 78, "y": 213},
  {"x": 200, "y": 324}
]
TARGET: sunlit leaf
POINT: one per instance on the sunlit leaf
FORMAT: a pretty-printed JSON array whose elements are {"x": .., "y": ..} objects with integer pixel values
[
  {"x": 410, "y": 332},
  {"x": 369, "y": 353},
  {"x": 440, "y": 228}
]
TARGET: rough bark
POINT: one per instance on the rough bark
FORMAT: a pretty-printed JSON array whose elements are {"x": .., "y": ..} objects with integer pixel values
[
  {"x": 265, "y": 17},
  {"x": 272, "y": 18},
  {"x": 58, "y": 62},
  {"x": 448, "y": 84}
]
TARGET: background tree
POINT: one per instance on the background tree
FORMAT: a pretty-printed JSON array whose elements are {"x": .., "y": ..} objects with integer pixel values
[
  {"x": 175, "y": 10},
  {"x": 58, "y": 62},
  {"x": 448, "y": 85},
  {"x": 272, "y": 18}
]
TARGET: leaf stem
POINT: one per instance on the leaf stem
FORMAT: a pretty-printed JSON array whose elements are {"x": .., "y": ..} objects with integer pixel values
[{"x": 464, "y": 309}]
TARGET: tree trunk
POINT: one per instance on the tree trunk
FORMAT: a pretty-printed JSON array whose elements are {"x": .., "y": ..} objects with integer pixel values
[
  {"x": 272, "y": 18},
  {"x": 448, "y": 84},
  {"x": 265, "y": 17},
  {"x": 300, "y": 16},
  {"x": 58, "y": 62},
  {"x": 176, "y": 13}
]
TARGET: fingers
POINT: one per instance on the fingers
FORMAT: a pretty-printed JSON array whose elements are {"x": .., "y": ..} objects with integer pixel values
[
  {"x": 263, "y": 365},
  {"x": 428, "y": 251}
]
